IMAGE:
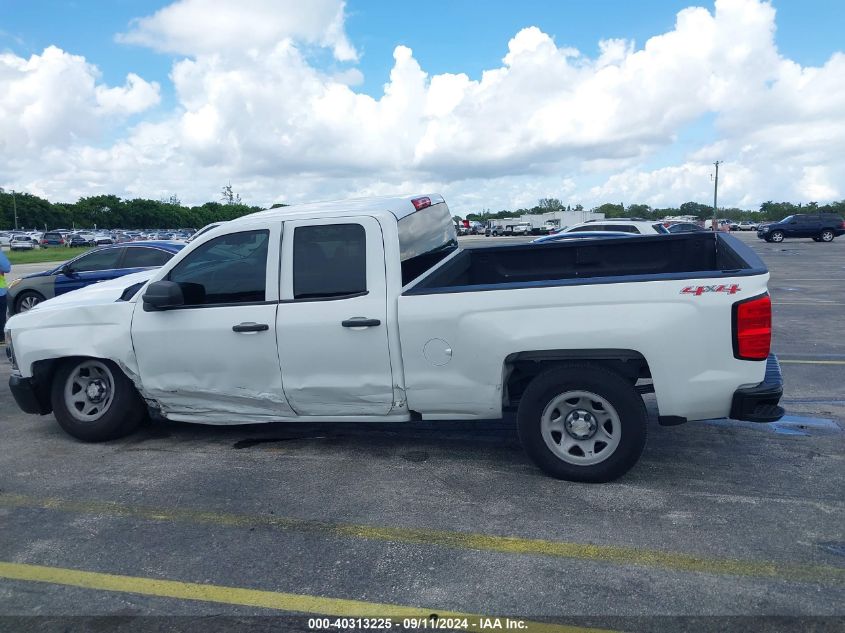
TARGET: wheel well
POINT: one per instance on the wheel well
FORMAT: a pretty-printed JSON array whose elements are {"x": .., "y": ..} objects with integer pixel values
[
  {"x": 43, "y": 372},
  {"x": 42, "y": 379},
  {"x": 521, "y": 368}
]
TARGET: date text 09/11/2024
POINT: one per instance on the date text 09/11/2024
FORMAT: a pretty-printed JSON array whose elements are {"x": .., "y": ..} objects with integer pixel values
[{"x": 418, "y": 623}]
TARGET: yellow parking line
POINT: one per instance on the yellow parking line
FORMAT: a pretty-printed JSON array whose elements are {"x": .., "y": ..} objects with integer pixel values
[
  {"x": 279, "y": 601},
  {"x": 610, "y": 554},
  {"x": 810, "y": 362}
]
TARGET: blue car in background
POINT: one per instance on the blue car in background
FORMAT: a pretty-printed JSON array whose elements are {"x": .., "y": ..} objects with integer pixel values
[{"x": 99, "y": 264}]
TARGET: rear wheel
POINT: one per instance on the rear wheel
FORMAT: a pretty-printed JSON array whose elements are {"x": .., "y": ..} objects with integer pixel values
[
  {"x": 777, "y": 236},
  {"x": 94, "y": 401},
  {"x": 826, "y": 236},
  {"x": 582, "y": 423}
]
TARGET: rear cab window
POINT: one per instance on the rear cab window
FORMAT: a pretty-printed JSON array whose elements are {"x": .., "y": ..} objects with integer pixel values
[{"x": 329, "y": 261}]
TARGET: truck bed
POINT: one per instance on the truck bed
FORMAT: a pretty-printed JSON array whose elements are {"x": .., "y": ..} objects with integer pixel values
[{"x": 612, "y": 260}]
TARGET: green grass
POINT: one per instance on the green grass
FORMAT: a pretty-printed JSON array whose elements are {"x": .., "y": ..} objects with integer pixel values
[{"x": 55, "y": 254}]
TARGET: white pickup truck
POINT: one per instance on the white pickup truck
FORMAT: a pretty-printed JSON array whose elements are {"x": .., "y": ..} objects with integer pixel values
[{"x": 367, "y": 310}]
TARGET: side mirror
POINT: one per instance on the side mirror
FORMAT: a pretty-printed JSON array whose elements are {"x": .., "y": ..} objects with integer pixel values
[
  {"x": 67, "y": 271},
  {"x": 162, "y": 295}
]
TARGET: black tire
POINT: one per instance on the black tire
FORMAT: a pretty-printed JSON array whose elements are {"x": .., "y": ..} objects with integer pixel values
[
  {"x": 612, "y": 387},
  {"x": 777, "y": 236},
  {"x": 826, "y": 235},
  {"x": 22, "y": 297},
  {"x": 122, "y": 416}
]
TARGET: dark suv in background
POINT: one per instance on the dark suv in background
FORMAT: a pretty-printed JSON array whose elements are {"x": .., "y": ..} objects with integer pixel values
[
  {"x": 52, "y": 238},
  {"x": 822, "y": 227}
]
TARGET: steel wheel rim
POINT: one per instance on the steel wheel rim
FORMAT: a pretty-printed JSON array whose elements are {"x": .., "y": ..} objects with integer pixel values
[
  {"x": 827, "y": 236},
  {"x": 89, "y": 391},
  {"x": 581, "y": 428},
  {"x": 777, "y": 237},
  {"x": 28, "y": 303}
]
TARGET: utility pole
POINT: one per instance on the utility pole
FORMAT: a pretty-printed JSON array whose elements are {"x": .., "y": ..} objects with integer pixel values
[
  {"x": 15, "y": 207},
  {"x": 716, "y": 195}
]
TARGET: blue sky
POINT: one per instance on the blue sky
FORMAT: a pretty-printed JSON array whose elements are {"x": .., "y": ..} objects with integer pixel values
[
  {"x": 646, "y": 128},
  {"x": 447, "y": 36}
]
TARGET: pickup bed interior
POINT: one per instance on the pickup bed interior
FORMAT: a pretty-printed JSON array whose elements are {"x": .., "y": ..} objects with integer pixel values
[{"x": 611, "y": 260}]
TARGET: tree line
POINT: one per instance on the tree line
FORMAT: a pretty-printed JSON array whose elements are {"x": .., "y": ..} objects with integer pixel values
[
  {"x": 113, "y": 212},
  {"x": 767, "y": 211}
]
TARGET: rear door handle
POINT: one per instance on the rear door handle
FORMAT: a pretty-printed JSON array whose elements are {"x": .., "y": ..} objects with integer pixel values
[
  {"x": 249, "y": 326},
  {"x": 360, "y": 322}
]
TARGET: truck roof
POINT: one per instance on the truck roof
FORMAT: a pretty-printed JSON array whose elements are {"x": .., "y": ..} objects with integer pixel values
[{"x": 399, "y": 206}]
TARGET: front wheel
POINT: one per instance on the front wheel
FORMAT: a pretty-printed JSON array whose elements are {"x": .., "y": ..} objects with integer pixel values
[
  {"x": 94, "y": 401},
  {"x": 777, "y": 236},
  {"x": 826, "y": 236},
  {"x": 27, "y": 300},
  {"x": 582, "y": 423}
]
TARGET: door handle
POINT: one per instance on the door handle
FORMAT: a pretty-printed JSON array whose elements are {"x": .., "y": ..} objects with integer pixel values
[
  {"x": 360, "y": 322},
  {"x": 249, "y": 326}
]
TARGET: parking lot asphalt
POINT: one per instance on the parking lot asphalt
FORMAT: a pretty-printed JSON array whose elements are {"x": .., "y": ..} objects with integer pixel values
[{"x": 719, "y": 518}]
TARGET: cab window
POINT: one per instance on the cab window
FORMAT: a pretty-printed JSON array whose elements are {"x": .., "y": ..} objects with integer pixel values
[
  {"x": 329, "y": 261},
  {"x": 228, "y": 269}
]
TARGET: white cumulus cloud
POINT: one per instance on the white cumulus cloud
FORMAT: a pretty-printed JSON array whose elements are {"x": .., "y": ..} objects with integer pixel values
[
  {"x": 55, "y": 99},
  {"x": 190, "y": 27}
]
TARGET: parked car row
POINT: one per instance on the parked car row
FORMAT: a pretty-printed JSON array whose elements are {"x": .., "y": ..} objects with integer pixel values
[
  {"x": 820, "y": 227},
  {"x": 519, "y": 229},
  {"x": 63, "y": 237},
  {"x": 636, "y": 226},
  {"x": 29, "y": 240},
  {"x": 20, "y": 240}
]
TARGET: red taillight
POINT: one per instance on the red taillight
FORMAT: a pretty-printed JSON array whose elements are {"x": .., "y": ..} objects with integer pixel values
[
  {"x": 843, "y": 225},
  {"x": 61, "y": 241},
  {"x": 43, "y": 241},
  {"x": 421, "y": 203},
  {"x": 752, "y": 328}
]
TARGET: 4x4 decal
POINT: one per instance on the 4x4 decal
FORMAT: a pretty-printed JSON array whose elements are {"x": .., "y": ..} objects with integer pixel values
[{"x": 700, "y": 290}]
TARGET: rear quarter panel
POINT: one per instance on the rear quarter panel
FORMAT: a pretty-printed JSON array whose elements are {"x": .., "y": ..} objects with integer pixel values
[{"x": 685, "y": 338}]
